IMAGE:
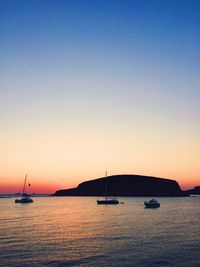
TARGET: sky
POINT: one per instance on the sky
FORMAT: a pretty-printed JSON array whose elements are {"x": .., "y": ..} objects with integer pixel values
[{"x": 93, "y": 85}]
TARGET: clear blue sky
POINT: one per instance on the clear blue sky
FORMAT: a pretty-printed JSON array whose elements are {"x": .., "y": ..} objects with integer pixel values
[{"x": 70, "y": 70}]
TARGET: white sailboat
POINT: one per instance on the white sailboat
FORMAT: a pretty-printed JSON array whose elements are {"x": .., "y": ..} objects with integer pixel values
[
  {"x": 107, "y": 200},
  {"x": 25, "y": 197}
]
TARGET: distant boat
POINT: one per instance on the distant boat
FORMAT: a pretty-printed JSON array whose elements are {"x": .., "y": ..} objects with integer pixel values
[
  {"x": 25, "y": 197},
  {"x": 107, "y": 200},
  {"x": 153, "y": 203}
]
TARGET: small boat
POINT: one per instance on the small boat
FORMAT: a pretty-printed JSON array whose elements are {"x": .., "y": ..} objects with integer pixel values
[
  {"x": 153, "y": 203},
  {"x": 25, "y": 197},
  {"x": 107, "y": 200}
]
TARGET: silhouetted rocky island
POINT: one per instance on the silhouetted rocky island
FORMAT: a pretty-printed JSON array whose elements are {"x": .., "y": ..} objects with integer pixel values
[
  {"x": 126, "y": 185},
  {"x": 194, "y": 191}
]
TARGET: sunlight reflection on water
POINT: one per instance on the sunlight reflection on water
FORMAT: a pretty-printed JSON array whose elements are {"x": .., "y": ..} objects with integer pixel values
[{"x": 74, "y": 231}]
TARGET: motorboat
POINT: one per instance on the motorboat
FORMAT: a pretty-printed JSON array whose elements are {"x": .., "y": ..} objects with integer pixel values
[
  {"x": 153, "y": 203},
  {"x": 25, "y": 197}
]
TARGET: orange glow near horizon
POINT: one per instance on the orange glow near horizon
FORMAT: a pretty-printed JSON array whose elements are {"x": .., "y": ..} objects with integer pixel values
[
  {"x": 63, "y": 158},
  {"x": 36, "y": 186},
  {"x": 39, "y": 187}
]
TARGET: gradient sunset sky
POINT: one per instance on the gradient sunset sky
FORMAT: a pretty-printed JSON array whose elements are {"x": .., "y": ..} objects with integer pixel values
[{"x": 94, "y": 85}]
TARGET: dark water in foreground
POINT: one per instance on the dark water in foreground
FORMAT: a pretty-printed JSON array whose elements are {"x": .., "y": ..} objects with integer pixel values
[{"x": 74, "y": 231}]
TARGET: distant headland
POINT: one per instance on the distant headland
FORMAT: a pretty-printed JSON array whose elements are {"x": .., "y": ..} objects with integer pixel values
[
  {"x": 126, "y": 185},
  {"x": 194, "y": 191}
]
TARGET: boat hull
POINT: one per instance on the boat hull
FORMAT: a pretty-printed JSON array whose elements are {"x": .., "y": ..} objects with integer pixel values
[
  {"x": 108, "y": 202},
  {"x": 151, "y": 206},
  {"x": 23, "y": 200}
]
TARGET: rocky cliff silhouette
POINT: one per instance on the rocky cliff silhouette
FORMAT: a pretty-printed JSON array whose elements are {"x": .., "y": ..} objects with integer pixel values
[
  {"x": 126, "y": 185},
  {"x": 194, "y": 191}
]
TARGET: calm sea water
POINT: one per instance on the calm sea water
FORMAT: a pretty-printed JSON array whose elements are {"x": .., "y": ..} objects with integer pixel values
[{"x": 74, "y": 231}]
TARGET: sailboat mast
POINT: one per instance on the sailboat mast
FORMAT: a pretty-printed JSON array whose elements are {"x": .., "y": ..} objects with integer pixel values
[
  {"x": 106, "y": 185},
  {"x": 24, "y": 184}
]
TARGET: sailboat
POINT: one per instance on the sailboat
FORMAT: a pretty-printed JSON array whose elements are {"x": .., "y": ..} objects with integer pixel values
[
  {"x": 25, "y": 197},
  {"x": 106, "y": 200}
]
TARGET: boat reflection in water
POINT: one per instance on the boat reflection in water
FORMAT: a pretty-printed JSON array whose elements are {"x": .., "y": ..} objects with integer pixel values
[{"x": 153, "y": 203}]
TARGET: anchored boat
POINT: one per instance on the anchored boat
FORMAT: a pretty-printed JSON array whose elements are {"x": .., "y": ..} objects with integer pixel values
[
  {"x": 25, "y": 197},
  {"x": 153, "y": 203},
  {"x": 107, "y": 200}
]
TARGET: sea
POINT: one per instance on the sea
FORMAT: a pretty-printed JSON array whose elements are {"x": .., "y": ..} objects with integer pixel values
[{"x": 75, "y": 231}]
